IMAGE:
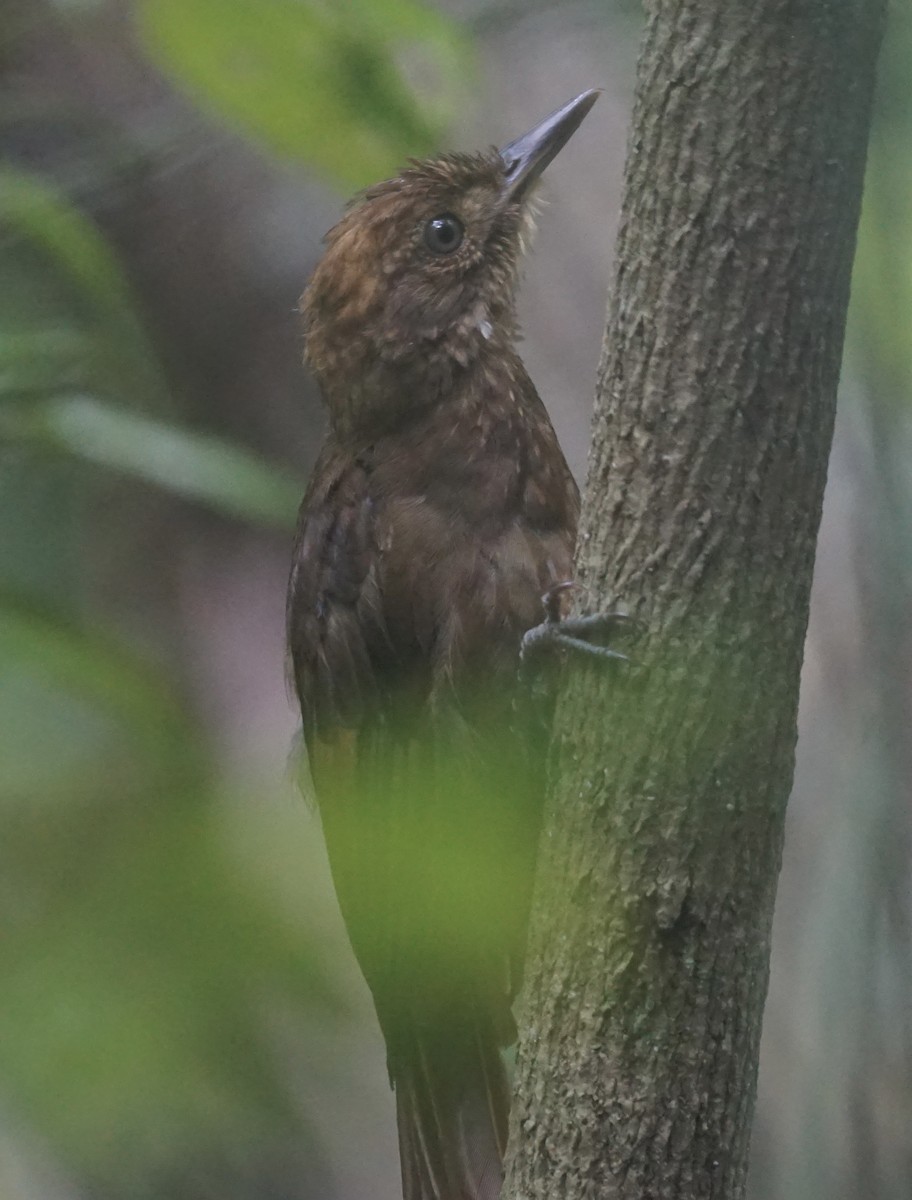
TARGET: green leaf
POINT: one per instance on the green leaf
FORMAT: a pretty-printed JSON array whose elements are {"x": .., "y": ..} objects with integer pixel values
[
  {"x": 199, "y": 466},
  {"x": 318, "y": 83},
  {"x": 106, "y": 351},
  {"x": 144, "y": 974},
  {"x": 41, "y": 362},
  {"x": 116, "y": 345},
  {"x": 91, "y": 667}
]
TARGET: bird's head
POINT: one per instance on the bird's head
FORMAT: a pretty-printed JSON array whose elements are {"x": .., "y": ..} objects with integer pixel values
[{"x": 418, "y": 277}]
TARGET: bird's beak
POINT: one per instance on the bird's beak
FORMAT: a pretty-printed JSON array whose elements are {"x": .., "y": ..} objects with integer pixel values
[{"x": 527, "y": 156}]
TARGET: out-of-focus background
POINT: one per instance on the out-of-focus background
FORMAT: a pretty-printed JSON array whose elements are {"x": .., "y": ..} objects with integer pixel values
[{"x": 180, "y": 1015}]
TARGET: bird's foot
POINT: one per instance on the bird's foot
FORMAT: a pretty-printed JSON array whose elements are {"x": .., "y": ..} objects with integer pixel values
[{"x": 558, "y": 632}]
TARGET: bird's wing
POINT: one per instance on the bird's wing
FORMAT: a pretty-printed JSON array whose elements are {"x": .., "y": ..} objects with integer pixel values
[
  {"x": 338, "y": 647},
  {"x": 334, "y": 618}
]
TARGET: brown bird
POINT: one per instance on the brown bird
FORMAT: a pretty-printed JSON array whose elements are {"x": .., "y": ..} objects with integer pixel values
[{"x": 440, "y": 512}]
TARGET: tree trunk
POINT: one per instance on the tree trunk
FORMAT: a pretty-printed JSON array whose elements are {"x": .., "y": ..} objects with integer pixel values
[{"x": 649, "y": 948}]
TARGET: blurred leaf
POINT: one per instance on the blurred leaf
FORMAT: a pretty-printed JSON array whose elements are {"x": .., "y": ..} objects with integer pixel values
[
  {"x": 317, "y": 82},
  {"x": 42, "y": 356},
  {"x": 44, "y": 361},
  {"x": 199, "y": 466},
  {"x": 141, "y": 972},
  {"x": 91, "y": 666},
  {"x": 882, "y": 279},
  {"x": 152, "y": 981},
  {"x": 162, "y": 985},
  {"x": 78, "y": 255}
]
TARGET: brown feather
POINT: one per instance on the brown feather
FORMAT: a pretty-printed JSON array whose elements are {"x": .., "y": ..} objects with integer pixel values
[{"x": 439, "y": 512}]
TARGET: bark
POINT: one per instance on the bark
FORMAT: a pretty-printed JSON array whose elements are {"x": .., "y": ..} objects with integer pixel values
[{"x": 649, "y": 946}]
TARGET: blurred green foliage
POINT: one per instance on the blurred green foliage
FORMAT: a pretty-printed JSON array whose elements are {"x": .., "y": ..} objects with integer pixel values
[
  {"x": 320, "y": 83},
  {"x": 70, "y": 337},
  {"x": 198, "y": 466},
  {"x": 68, "y": 319},
  {"x": 882, "y": 283},
  {"x": 144, "y": 960},
  {"x": 138, "y": 962}
]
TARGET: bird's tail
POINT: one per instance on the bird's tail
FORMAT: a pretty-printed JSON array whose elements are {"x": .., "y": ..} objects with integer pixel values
[{"x": 452, "y": 1105}]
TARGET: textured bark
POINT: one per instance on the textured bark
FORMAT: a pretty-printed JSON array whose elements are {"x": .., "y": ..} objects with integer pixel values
[{"x": 649, "y": 949}]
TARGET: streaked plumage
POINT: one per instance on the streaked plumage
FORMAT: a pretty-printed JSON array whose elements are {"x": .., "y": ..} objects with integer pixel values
[{"x": 439, "y": 512}]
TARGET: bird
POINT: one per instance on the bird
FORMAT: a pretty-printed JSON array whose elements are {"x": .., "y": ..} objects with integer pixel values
[{"x": 440, "y": 516}]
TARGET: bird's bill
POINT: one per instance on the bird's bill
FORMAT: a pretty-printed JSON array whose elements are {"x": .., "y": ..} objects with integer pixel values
[{"x": 527, "y": 156}]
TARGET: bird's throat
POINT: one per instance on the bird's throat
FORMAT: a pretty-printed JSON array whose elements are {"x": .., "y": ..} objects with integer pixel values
[{"x": 375, "y": 395}]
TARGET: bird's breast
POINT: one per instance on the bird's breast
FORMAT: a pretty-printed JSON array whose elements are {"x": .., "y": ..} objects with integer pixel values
[
  {"x": 475, "y": 513},
  {"x": 459, "y": 592}
]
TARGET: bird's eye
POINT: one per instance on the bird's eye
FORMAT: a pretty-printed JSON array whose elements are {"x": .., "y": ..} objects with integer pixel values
[{"x": 443, "y": 234}]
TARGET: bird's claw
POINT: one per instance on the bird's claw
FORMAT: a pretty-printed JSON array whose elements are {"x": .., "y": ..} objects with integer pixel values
[{"x": 569, "y": 633}]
